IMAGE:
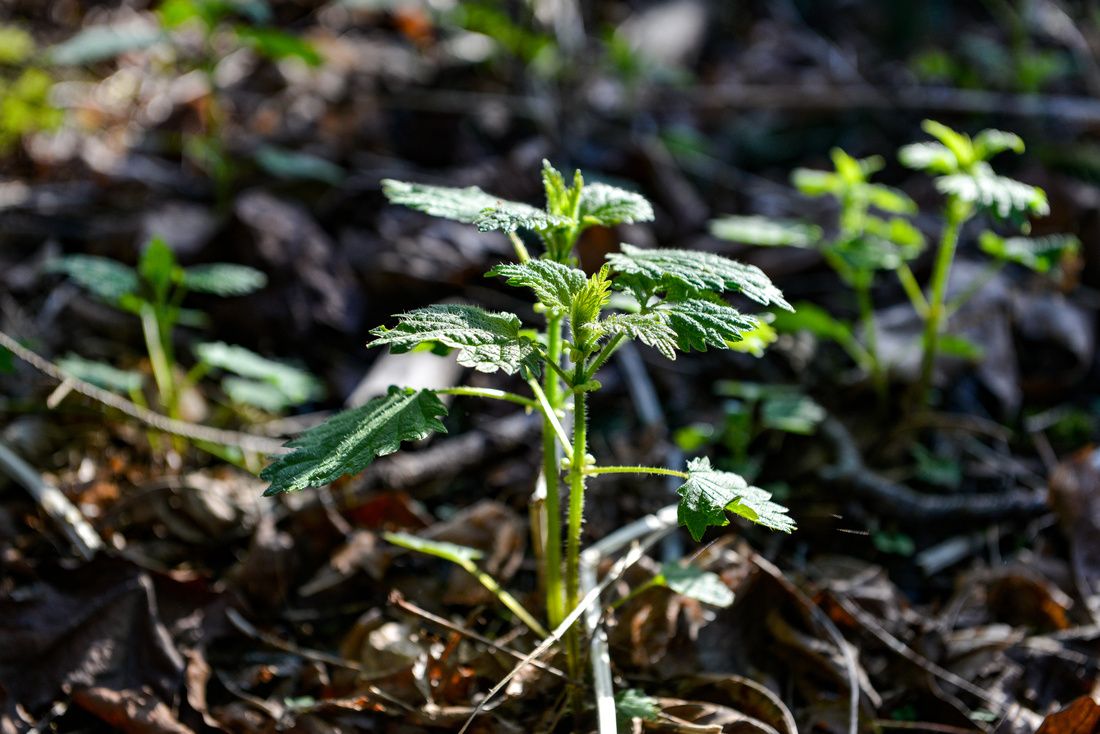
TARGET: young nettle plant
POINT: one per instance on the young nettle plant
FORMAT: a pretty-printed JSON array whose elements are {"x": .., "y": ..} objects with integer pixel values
[
  {"x": 676, "y": 305},
  {"x": 960, "y": 166},
  {"x": 154, "y": 292},
  {"x": 864, "y": 243},
  {"x": 867, "y": 243}
]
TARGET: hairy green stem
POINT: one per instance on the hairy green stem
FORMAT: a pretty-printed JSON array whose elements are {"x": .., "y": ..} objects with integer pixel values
[
  {"x": 934, "y": 322},
  {"x": 576, "y": 516},
  {"x": 551, "y": 393},
  {"x": 594, "y": 471}
]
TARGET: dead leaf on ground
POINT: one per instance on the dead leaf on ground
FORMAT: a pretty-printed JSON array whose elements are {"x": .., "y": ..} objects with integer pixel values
[{"x": 1082, "y": 716}]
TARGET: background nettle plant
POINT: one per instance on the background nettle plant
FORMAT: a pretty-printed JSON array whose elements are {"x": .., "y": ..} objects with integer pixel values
[
  {"x": 672, "y": 301},
  {"x": 866, "y": 242}
]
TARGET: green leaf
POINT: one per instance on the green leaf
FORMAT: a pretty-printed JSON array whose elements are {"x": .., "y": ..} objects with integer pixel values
[
  {"x": 470, "y": 205},
  {"x": 105, "y": 278},
  {"x": 816, "y": 183},
  {"x": 292, "y": 164},
  {"x": 693, "y": 272},
  {"x": 296, "y": 386},
  {"x": 757, "y": 339},
  {"x": 766, "y": 232},
  {"x": 555, "y": 285},
  {"x": 158, "y": 265},
  {"x": 459, "y": 554},
  {"x": 633, "y": 704},
  {"x": 561, "y": 198},
  {"x": 699, "y": 323},
  {"x": 224, "y": 279},
  {"x": 989, "y": 143},
  {"x": 889, "y": 199},
  {"x": 485, "y": 341},
  {"x": 953, "y": 345},
  {"x": 16, "y": 45},
  {"x": 349, "y": 441},
  {"x": 652, "y": 329},
  {"x": 695, "y": 583},
  {"x": 959, "y": 144},
  {"x": 262, "y": 395},
  {"x": 816, "y": 320},
  {"x": 276, "y": 45},
  {"x": 930, "y": 157},
  {"x": 792, "y": 413},
  {"x": 1040, "y": 254},
  {"x": 609, "y": 205},
  {"x": 1003, "y": 196},
  {"x": 101, "y": 374},
  {"x": 7, "y": 363},
  {"x": 103, "y": 42},
  {"x": 708, "y": 494},
  {"x": 585, "y": 309}
]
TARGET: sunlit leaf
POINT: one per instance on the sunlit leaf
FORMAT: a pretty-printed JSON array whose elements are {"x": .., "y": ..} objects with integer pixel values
[
  {"x": 691, "y": 272},
  {"x": 609, "y": 205},
  {"x": 707, "y": 494},
  {"x": 1040, "y": 254},
  {"x": 700, "y": 323},
  {"x": 485, "y": 341},
  {"x": 555, "y": 285},
  {"x": 349, "y": 441},
  {"x": 652, "y": 329},
  {"x": 470, "y": 205},
  {"x": 695, "y": 583}
]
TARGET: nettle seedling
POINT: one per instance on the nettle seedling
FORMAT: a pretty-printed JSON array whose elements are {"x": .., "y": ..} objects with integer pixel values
[
  {"x": 970, "y": 186},
  {"x": 197, "y": 36},
  {"x": 675, "y": 304},
  {"x": 154, "y": 292},
  {"x": 752, "y": 409},
  {"x": 867, "y": 243},
  {"x": 864, "y": 243}
]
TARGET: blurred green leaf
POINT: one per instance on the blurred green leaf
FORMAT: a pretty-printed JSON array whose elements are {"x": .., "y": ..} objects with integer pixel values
[
  {"x": 695, "y": 583},
  {"x": 290, "y": 164},
  {"x": 16, "y": 45},
  {"x": 792, "y": 413},
  {"x": 277, "y": 45},
  {"x": 103, "y": 42},
  {"x": 765, "y": 231},
  {"x": 101, "y": 374}
]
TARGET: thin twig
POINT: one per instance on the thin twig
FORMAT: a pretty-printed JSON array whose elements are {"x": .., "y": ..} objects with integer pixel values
[
  {"x": 397, "y": 599},
  {"x": 244, "y": 441},
  {"x": 616, "y": 571},
  {"x": 246, "y": 627},
  {"x": 53, "y": 502}
]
